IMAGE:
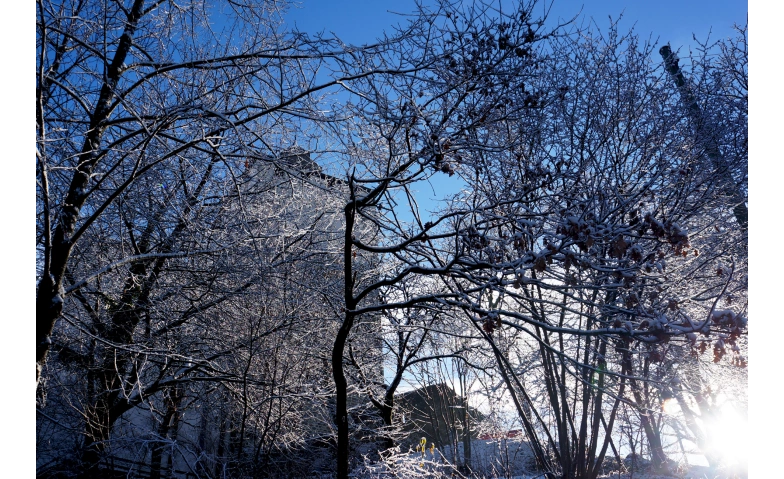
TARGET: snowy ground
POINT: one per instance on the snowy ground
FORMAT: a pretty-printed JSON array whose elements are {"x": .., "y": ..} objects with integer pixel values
[
  {"x": 511, "y": 459},
  {"x": 696, "y": 472},
  {"x": 693, "y": 472}
]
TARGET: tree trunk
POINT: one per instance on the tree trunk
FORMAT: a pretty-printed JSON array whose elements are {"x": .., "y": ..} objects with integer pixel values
[
  {"x": 49, "y": 294},
  {"x": 536, "y": 446},
  {"x": 169, "y": 423},
  {"x": 341, "y": 396},
  {"x": 466, "y": 435},
  {"x": 100, "y": 419},
  {"x": 703, "y": 134},
  {"x": 339, "y": 347},
  {"x": 652, "y": 433},
  {"x": 386, "y": 416},
  {"x": 96, "y": 436},
  {"x": 696, "y": 429}
]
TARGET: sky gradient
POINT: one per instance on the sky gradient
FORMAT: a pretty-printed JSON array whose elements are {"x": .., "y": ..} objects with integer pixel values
[{"x": 674, "y": 21}]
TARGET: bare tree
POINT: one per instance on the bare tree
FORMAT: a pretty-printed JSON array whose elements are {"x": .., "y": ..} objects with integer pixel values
[
  {"x": 196, "y": 267},
  {"x": 604, "y": 242},
  {"x": 451, "y": 70},
  {"x": 165, "y": 200}
]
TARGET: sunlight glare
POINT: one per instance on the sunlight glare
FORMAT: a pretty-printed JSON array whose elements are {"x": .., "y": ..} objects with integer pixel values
[
  {"x": 728, "y": 435},
  {"x": 670, "y": 406}
]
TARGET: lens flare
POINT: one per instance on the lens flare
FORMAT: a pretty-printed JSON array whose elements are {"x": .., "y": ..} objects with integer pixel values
[{"x": 670, "y": 406}]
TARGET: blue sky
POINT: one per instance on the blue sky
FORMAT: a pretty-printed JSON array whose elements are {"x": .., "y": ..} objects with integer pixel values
[{"x": 674, "y": 21}]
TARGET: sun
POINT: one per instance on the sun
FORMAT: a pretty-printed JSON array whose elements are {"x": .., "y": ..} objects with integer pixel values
[
  {"x": 728, "y": 435},
  {"x": 726, "y": 431}
]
